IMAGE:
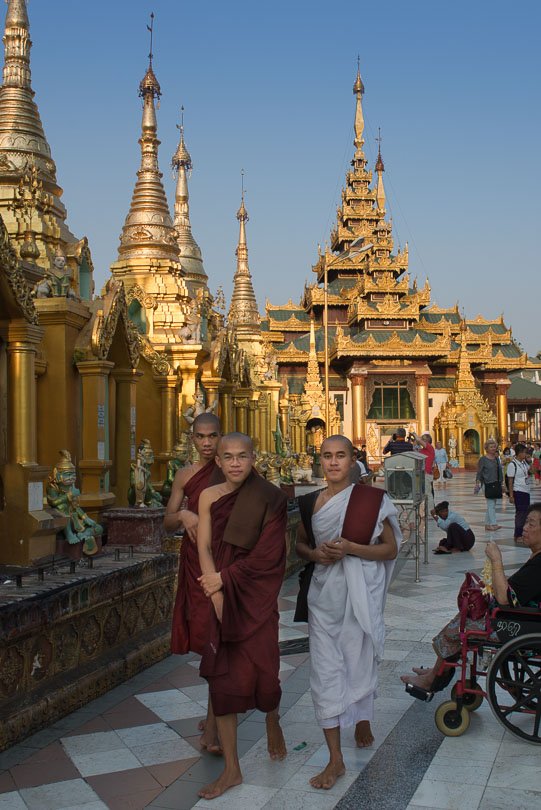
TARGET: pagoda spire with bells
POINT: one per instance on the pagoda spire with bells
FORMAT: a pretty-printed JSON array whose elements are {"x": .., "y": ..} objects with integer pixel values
[
  {"x": 148, "y": 256},
  {"x": 190, "y": 252},
  {"x": 243, "y": 312},
  {"x": 148, "y": 229}
]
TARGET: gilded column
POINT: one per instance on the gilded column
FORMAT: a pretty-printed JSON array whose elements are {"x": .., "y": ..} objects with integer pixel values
[
  {"x": 460, "y": 444},
  {"x": 23, "y": 339},
  {"x": 502, "y": 410},
  {"x": 421, "y": 382},
  {"x": 252, "y": 417},
  {"x": 168, "y": 390},
  {"x": 263, "y": 408},
  {"x": 95, "y": 462},
  {"x": 125, "y": 430},
  {"x": 241, "y": 410},
  {"x": 358, "y": 404},
  {"x": 226, "y": 407}
]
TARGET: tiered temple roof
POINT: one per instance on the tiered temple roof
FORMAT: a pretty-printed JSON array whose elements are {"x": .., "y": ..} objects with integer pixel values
[{"x": 375, "y": 309}]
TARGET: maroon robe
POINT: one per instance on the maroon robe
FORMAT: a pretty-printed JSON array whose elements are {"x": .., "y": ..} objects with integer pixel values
[
  {"x": 191, "y": 611},
  {"x": 242, "y": 658}
]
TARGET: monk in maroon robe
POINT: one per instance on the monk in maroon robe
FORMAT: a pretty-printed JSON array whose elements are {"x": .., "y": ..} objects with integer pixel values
[
  {"x": 242, "y": 551},
  {"x": 191, "y": 611}
]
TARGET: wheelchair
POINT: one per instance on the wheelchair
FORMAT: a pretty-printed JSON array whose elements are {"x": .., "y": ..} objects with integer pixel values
[{"x": 508, "y": 655}]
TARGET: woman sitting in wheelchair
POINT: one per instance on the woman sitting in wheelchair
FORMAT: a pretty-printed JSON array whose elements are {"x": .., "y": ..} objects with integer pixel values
[{"x": 523, "y": 588}]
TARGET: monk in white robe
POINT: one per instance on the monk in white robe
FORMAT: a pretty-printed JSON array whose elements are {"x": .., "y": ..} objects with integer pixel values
[{"x": 346, "y": 598}]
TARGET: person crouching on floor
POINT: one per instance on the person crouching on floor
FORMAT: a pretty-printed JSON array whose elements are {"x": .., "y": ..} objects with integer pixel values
[{"x": 459, "y": 536}]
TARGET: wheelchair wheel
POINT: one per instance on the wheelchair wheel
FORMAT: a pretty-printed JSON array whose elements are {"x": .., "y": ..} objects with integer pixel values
[
  {"x": 450, "y": 721},
  {"x": 514, "y": 687},
  {"x": 470, "y": 702}
]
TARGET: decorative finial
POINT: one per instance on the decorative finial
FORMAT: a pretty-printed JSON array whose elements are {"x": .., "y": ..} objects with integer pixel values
[
  {"x": 379, "y": 162},
  {"x": 242, "y": 216},
  {"x": 358, "y": 87},
  {"x": 181, "y": 157},
  {"x": 151, "y": 29},
  {"x": 150, "y": 85}
]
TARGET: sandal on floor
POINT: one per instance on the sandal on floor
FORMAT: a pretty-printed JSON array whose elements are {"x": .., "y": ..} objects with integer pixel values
[{"x": 440, "y": 550}]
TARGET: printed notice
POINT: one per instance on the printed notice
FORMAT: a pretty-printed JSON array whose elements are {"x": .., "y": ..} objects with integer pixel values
[
  {"x": 101, "y": 451},
  {"x": 35, "y": 496},
  {"x": 101, "y": 416}
]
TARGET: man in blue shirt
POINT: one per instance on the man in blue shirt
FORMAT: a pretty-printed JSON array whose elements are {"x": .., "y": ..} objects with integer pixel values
[{"x": 459, "y": 536}]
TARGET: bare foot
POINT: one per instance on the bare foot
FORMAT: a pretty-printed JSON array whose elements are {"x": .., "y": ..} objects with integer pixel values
[
  {"x": 363, "y": 734},
  {"x": 423, "y": 679},
  {"x": 276, "y": 745},
  {"x": 226, "y": 780},
  {"x": 327, "y": 778},
  {"x": 211, "y": 743}
]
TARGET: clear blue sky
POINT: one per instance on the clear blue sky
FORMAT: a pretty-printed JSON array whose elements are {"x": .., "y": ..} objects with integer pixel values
[{"x": 267, "y": 87}]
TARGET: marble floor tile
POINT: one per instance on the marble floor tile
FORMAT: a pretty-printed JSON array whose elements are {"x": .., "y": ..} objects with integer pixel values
[
  {"x": 242, "y": 797},
  {"x": 285, "y": 799},
  {"x": 178, "y": 710},
  {"x": 447, "y": 795},
  {"x": 468, "y": 773},
  {"x": 12, "y": 801},
  {"x": 97, "y": 805},
  {"x": 512, "y": 774},
  {"x": 509, "y": 799},
  {"x": 92, "y": 743},
  {"x": 121, "y": 759},
  {"x": 147, "y": 735},
  {"x": 72, "y": 793},
  {"x": 195, "y": 693},
  {"x": 170, "y": 751}
]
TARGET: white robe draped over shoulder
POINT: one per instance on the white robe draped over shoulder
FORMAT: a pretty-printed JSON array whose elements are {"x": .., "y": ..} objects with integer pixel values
[{"x": 345, "y": 619}]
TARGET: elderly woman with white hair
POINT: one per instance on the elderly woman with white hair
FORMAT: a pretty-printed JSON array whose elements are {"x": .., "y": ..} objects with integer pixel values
[{"x": 490, "y": 476}]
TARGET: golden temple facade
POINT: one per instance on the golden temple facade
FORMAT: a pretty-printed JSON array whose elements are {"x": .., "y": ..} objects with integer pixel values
[{"x": 395, "y": 359}]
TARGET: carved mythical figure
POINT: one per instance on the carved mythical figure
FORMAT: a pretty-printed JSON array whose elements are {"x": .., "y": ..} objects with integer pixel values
[
  {"x": 452, "y": 447},
  {"x": 62, "y": 494},
  {"x": 198, "y": 407},
  {"x": 179, "y": 457},
  {"x": 60, "y": 277},
  {"x": 278, "y": 438},
  {"x": 273, "y": 472},
  {"x": 262, "y": 463},
  {"x": 191, "y": 331},
  {"x": 305, "y": 465},
  {"x": 141, "y": 492}
]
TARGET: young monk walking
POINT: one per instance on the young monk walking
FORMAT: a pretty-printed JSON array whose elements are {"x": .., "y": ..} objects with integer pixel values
[
  {"x": 191, "y": 611},
  {"x": 350, "y": 533},
  {"x": 242, "y": 552}
]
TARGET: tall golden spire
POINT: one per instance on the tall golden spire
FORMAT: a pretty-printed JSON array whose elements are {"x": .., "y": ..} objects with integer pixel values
[
  {"x": 380, "y": 168},
  {"x": 148, "y": 230},
  {"x": 23, "y": 142},
  {"x": 358, "y": 90},
  {"x": 243, "y": 312},
  {"x": 190, "y": 253}
]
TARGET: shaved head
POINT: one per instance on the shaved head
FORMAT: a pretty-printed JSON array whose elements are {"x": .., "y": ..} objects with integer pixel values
[
  {"x": 207, "y": 419},
  {"x": 231, "y": 438},
  {"x": 338, "y": 438}
]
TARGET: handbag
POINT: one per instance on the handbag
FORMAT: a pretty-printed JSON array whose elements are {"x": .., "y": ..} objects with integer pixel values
[
  {"x": 435, "y": 472},
  {"x": 447, "y": 473},
  {"x": 493, "y": 490},
  {"x": 472, "y": 602}
]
